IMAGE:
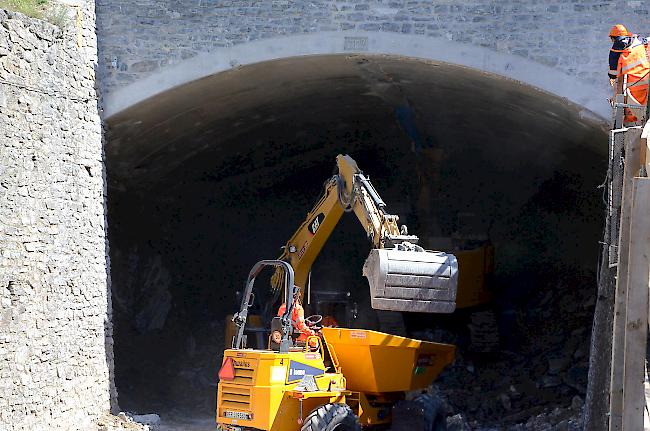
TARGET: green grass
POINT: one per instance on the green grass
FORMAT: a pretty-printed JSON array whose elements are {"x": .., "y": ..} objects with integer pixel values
[
  {"x": 33, "y": 8},
  {"x": 56, "y": 14}
]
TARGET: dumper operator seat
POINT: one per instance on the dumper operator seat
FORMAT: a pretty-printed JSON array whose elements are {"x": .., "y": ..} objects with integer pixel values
[{"x": 276, "y": 334}]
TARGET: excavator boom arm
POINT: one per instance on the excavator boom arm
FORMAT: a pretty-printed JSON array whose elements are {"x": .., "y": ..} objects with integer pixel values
[
  {"x": 427, "y": 277},
  {"x": 307, "y": 242},
  {"x": 347, "y": 191}
]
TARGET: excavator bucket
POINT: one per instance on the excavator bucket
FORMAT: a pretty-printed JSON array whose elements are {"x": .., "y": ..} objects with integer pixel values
[{"x": 417, "y": 281}]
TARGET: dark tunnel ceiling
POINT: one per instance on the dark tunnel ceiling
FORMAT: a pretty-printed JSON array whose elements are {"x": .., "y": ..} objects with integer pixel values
[
  {"x": 266, "y": 135},
  {"x": 523, "y": 127}
]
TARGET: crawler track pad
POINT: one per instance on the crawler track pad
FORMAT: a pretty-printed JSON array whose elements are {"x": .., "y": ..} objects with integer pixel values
[{"x": 417, "y": 281}]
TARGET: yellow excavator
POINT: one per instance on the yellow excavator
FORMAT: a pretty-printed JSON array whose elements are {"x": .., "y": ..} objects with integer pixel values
[
  {"x": 340, "y": 378},
  {"x": 402, "y": 275}
]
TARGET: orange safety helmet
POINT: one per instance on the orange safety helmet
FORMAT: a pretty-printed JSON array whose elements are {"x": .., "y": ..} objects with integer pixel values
[{"x": 618, "y": 30}]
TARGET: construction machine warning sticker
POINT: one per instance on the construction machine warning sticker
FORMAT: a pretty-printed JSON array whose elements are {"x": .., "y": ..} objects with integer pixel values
[
  {"x": 298, "y": 370},
  {"x": 278, "y": 373},
  {"x": 315, "y": 223},
  {"x": 302, "y": 251},
  {"x": 358, "y": 334}
]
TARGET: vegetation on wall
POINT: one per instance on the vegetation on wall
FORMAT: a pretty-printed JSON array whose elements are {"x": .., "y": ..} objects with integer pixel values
[
  {"x": 33, "y": 8},
  {"x": 54, "y": 13}
]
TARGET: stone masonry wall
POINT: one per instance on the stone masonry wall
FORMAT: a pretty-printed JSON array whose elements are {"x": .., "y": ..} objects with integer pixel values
[
  {"x": 137, "y": 39},
  {"x": 55, "y": 331}
]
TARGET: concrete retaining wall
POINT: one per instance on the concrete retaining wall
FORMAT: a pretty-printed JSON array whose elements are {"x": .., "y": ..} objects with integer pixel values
[{"x": 55, "y": 331}]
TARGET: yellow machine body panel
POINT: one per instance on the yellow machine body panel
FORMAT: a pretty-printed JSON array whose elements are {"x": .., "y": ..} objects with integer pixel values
[
  {"x": 374, "y": 362},
  {"x": 474, "y": 266},
  {"x": 261, "y": 393},
  {"x": 368, "y": 370}
]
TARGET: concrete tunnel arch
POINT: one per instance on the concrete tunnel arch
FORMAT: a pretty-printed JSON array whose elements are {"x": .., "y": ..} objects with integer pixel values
[
  {"x": 210, "y": 176},
  {"x": 587, "y": 94}
]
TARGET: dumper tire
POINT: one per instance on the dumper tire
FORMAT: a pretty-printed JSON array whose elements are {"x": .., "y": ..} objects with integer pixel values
[
  {"x": 329, "y": 417},
  {"x": 423, "y": 413}
]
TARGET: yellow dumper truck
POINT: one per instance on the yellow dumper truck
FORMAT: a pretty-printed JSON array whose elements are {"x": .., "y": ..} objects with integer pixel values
[
  {"x": 344, "y": 378},
  {"x": 339, "y": 378}
]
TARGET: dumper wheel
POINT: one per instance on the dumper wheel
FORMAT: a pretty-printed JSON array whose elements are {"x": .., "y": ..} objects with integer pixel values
[
  {"x": 331, "y": 417},
  {"x": 423, "y": 413}
]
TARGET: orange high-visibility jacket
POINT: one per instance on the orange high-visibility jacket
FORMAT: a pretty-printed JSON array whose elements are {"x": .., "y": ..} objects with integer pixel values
[
  {"x": 634, "y": 63},
  {"x": 298, "y": 320}
]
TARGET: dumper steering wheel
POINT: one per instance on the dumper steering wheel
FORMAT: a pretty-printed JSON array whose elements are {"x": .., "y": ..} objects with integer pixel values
[{"x": 313, "y": 320}]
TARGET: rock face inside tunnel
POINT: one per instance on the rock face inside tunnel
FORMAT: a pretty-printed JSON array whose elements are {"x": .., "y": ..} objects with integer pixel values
[{"x": 210, "y": 177}]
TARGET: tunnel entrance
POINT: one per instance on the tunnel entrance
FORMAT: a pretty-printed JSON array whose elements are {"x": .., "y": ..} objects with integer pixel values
[{"x": 208, "y": 178}]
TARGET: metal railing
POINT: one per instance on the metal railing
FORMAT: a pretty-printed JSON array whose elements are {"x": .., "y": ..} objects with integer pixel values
[{"x": 617, "y": 158}]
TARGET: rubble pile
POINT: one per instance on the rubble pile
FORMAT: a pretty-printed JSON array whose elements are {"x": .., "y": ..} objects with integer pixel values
[
  {"x": 120, "y": 422},
  {"x": 557, "y": 419},
  {"x": 538, "y": 379},
  {"x": 484, "y": 332}
]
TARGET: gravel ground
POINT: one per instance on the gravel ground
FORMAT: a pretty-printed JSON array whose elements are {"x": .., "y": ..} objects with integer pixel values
[{"x": 187, "y": 424}]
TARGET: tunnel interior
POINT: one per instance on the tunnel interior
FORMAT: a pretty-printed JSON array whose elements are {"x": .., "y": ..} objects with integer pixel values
[{"x": 210, "y": 177}]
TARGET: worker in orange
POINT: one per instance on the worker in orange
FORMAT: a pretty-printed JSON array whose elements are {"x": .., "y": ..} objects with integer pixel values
[
  {"x": 297, "y": 316},
  {"x": 628, "y": 57}
]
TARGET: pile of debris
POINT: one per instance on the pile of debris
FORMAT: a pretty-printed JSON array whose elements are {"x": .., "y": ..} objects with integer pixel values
[
  {"x": 538, "y": 379},
  {"x": 128, "y": 422},
  {"x": 558, "y": 419}
]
